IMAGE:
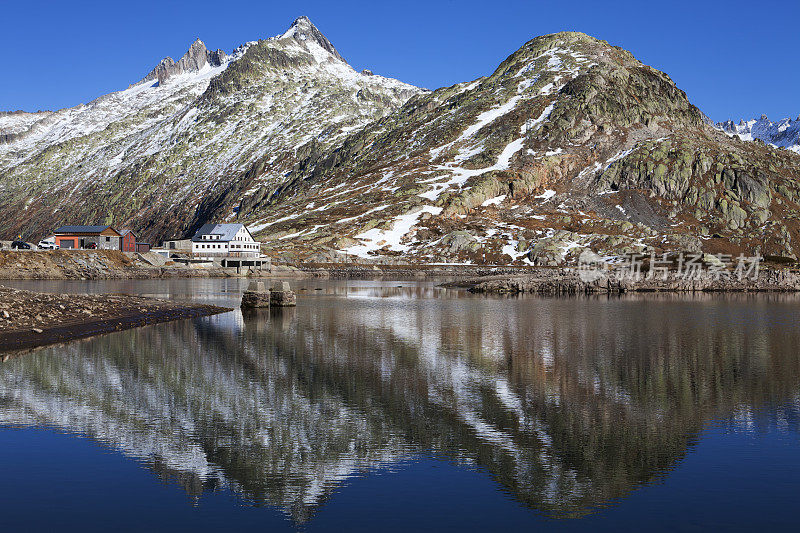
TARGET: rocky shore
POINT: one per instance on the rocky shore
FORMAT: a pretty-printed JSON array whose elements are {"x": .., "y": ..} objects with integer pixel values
[
  {"x": 405, "y": 271},
  {"x": 29, "y": 319},
  {"x": 570, "y": 281},
  {"x": 104, "y": 264}
]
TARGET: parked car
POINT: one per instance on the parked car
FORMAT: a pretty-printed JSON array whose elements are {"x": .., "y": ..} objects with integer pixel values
[
  {"x": 47, "y": 245},
  {"x": 20, "y": 245}
]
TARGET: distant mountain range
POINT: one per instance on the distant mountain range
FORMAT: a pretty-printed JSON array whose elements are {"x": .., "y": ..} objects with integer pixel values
[
  {"x": 571, "y": 143},
  {"x": 784, "y": 133}
]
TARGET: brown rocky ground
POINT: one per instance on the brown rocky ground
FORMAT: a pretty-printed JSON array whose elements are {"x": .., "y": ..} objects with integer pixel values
[{"x": 29, "y": 319}]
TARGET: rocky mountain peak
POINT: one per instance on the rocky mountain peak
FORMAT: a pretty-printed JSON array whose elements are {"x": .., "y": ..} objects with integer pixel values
[
  {"x": 304, "y": 31},
  {"x": 197, "y": 57}
]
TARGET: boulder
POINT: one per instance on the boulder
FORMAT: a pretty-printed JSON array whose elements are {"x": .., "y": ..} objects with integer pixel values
[{"x": 460, "y": 240}]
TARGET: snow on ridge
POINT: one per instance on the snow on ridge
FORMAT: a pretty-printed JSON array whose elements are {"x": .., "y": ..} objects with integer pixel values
[
  {"x": 346, "y": 73},
  {"x": 156, "y": 117},
  {"x": 555, "y": 61},
  {"x": 97, "y": 115},
  {"x": 784, "y": 133},
  {"x": 85, "y": 119},
  {"x": 295, "y": 37},
  {"x": 13, "y": 123}
]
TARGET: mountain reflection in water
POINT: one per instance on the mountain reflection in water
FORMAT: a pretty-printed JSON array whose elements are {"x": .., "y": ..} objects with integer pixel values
[{"x": 568, "y": 403}]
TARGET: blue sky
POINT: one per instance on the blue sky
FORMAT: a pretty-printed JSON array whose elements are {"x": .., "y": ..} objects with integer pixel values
[{"x": 734, "y": 59}]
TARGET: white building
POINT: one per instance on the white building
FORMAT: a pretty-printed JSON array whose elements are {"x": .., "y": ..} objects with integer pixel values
[{"x": 232, "y": 240}]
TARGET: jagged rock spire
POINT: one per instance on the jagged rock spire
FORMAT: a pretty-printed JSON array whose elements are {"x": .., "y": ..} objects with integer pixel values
[
  {"x": 198, "y": 56},
  {"x": 193, "y": 60}
]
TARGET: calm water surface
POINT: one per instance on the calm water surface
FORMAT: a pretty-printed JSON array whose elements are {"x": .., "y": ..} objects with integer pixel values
[{"x": 399, "y": 405}]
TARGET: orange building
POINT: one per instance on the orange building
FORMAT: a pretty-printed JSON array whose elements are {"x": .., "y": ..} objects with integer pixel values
[{"x": 88, "y": 237}]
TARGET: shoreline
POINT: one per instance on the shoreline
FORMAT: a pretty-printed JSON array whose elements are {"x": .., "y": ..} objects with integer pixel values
[
  {"x": 106, "y": 265},
  {"x": 409, "y": 272},
  {"x": 491, "y": 279},
  {"x": 546, "y": 280},
  {"x": 567, "y": 281},
  {"x": 31, "y": 320}
]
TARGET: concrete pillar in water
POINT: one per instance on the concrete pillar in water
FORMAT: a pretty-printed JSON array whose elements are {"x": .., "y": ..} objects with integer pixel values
[
  {"x": 282, "y": 295},
  {"x": 256, "y": 295}
]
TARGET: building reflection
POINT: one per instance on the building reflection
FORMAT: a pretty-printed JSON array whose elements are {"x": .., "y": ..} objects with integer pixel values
[{"x": 568, "y": 403}]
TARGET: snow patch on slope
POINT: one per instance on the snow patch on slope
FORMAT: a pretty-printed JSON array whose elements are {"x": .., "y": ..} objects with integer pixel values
[
  {"x": 459, "y": 174},
  {"x": 376, "y": 239}
]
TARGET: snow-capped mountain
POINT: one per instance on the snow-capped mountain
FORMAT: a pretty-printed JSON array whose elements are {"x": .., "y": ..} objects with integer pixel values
[
  {"x": 571, "y": 143},
  {"x": 150, "y": 155},
  {"x": 784, "y": 133}
]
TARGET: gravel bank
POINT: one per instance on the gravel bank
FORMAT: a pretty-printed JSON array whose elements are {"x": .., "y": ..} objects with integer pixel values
[{"x": 31, "y": 319}]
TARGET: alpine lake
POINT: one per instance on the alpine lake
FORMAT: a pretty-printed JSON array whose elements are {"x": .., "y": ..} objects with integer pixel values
[{"x": 399, "y": 405}]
